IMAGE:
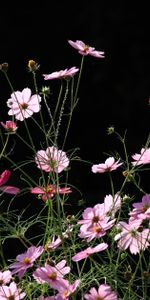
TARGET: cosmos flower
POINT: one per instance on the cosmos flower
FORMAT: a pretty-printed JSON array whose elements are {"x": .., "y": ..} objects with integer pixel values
[
  {"x": 87, "y": 252},
  {"x": 61, "y": 74},
  {"x": 22, "y": 104},
  {"x": 26, "y": 260},
  {"x": 49, "y": 191},
  {"x": 109, "y": 165},
  {"x": 5, "y": 277},
  {"x": 84, "y": 49},
  {"x": 141, "y": 209},
  {"x": 142, "y": 158},
  {"x": 10, "y": 126},
  {"x": 52, "y": 160},
  {"x": 11, "y": 292},
  {"x": 9, "y": 189},
  {"x": 104, "y": 293}
]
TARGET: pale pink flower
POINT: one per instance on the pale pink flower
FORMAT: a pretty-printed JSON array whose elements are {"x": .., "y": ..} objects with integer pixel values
[
  {"x": 55, "y": 243},
  {"x": 9, "y": 189},
  {"x": 61, "y": 74},
  {"x": 26, "y": 260},
  {"x": 49, "y": 191},
  {"x": 11, "y": 292},
  {"x": 141, "y": 209},
  {"x": 52, "y": 274},
  {"x": 5, "y": 277},
  {"x": 142, "y": 158},
  {"x": 87, "y": 252},
  {"x": 22, "y": 104},
  {"x": 96, "y": 230},
  {"x": 112, "y": 204},
  {"x": 131, "y": 238},
  {"x": 109, "y": 165},
  {"x": 84, "y": 49},
  {"x": 52, "y": 160},
  {"x": 104, "y": 293},
  {"x": 93, "y": 215},
  {"x": 10, "y": 126},
  {"x": 66, "y": 289}
]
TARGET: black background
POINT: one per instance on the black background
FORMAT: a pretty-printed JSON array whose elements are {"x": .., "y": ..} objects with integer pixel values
[{"x": 114, "y": 91}]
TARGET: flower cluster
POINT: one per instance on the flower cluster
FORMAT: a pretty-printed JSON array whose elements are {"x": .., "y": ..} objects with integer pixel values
[{"x": 94, "y": 254}]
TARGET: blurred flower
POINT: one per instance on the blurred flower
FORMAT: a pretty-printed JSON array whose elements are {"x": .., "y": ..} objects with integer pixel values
[
  {"x": 142, "y": 158},
  {"x": 61, "y": 74},
  {"x": 84, "y": 49},
  {"x": 49, "y": 191},
  {"x": 5, "y": 277},
  {"x": 87, "y": 252},
  {"x": 51, "y": 160},
  {"x": 11, "y": 292},
  {"x": 141, "y": 209},
  {"x": 33, "y": 66},
  {"x": 4, "y": 177},
  {"x": 10, "y": 126},
  {"x": 4, "y": 67},
  {"x": 104, "y": 293},
  {"x": 109, "y": 165},
  {"x": 25, "y": 260},
  {"x": 66, "y": 289},
  {"x": 22, "y": 105}
]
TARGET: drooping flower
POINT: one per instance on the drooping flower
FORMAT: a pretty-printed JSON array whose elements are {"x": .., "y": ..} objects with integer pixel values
[
  {"x": 52, "y": 160},
  {"x": 10, "y": 126},
  {"x": 87, "y": 252},
  {"x": 49, "y": 191},
  {"x": 9, "y": 189},
  {"x": 109, "y": 165},
  {"x": 141, "y": 209},
  {"x": 104, "y": 293},
  {"x": 142, "y": 158},
  {"x": 66, "y": 289},
  {"x": 11, "y": 292},
  {"x": 61, "y": 74},
  {"x": 84, "y": 49},
  {"x": 5, "y": 277},
  {"x": 26, "y": 260},
  {"x": 132, "y": 238},
  {"x": 22, "y": 104}
]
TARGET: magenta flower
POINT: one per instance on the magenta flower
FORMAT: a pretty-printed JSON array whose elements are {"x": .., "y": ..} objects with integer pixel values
[
  {"x": 11, "y": 292},
  {"x": 142, "y": 158},
  {"x": 87, "y": 252},
  {"x": 52, "y": 160},
  {"x": 61, "y": 74},
  {"x": 52, "y": 274},
  {"x": 109, "y": 165},
  {"x": 5, "y": 277},
  {"x": 22, "y": 105},
  {"x": 132, "y": 238},
  {"x": 104, "y": 293},
  {"x": 26, "y": 260},
  {"x": 10, "y": 126},
  {"x": 9, "y": 189},
  {"x": 141, "y": 210},
  {"x": 49, "y": 191},
  {"x": 84, "y": 49}
]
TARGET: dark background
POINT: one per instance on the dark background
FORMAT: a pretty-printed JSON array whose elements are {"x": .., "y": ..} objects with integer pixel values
[{"x": 114, "y": 91}]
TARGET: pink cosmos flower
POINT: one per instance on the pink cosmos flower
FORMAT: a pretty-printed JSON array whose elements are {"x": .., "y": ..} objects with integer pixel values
[
  {"x": 87, "y": 252},
  {"x": 142, "y": 158},
  {"x": 9, "y": 189},
  {"x": 109, "y": 165},
  {"x": 132, "y": 238},
  {"x": 9, "y": 126},
  {"x": 57, "y": 242},
  {"x": 84, "y": 49},
  {"x": 49, "y": 191},
  {"x": 11, "y": 292},
  {"x": 141, "y": 210},
  {"x": 52, "y": 274},
  {"x": 61, "y": 74},
  {"x": 66, "y": 289},
  {"x": 52, "y": 160},
  {"x": 112, "y": 204},
  {"x": 104, "y": 293},
  {"x": 5, "y": 277},
  {"x": 25, "y": 260},
  {"x": 22, "y": 105}
]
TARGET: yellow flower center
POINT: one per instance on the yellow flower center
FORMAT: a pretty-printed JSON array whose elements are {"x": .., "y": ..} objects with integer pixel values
[
  {"x": 52, "y": 276},
  {"x": 27, "y": 260}
]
